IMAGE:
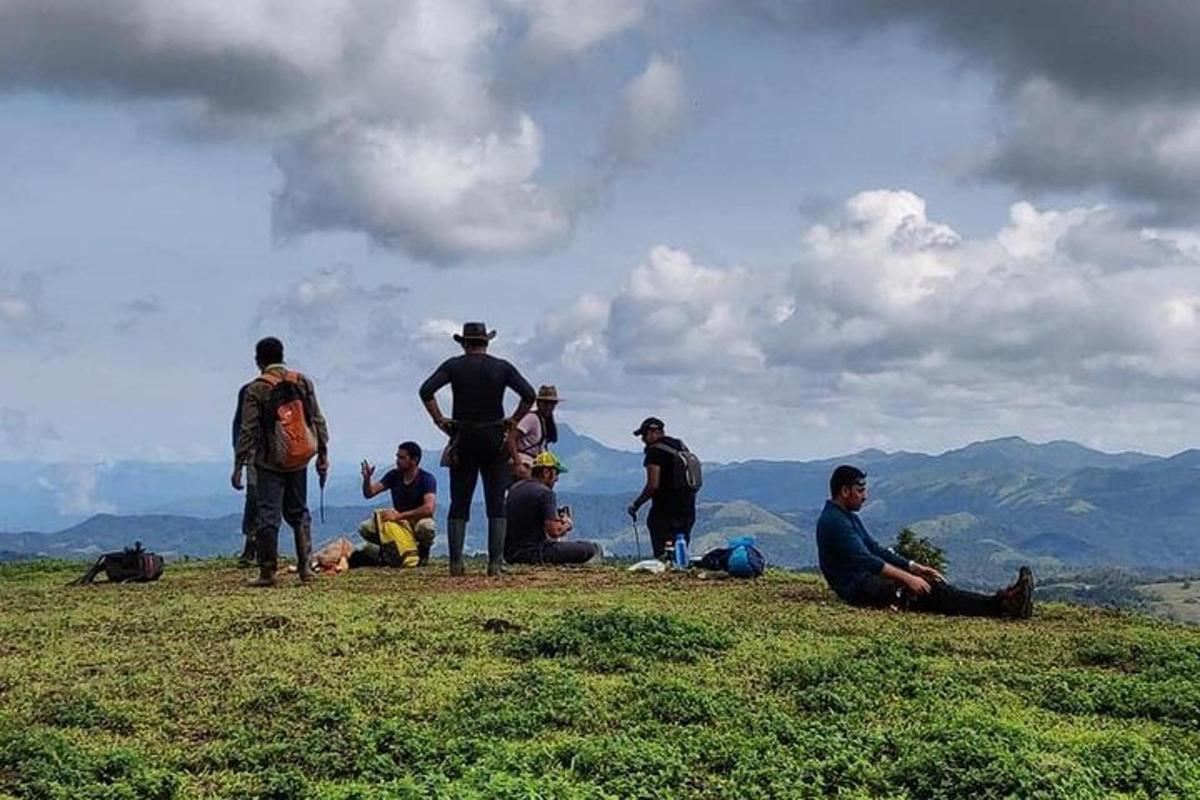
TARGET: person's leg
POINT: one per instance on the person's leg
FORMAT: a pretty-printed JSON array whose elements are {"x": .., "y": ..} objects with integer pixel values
[
  {"x": 463, "y": 476},
  {"x": 569, "y": 552},
  {"x": 944, "y": 598},
  {"x": 876, "y": 591},
  {"x": 295, "y": 511},
  {"x": 250, "y": 520},
  {"x": 660, "y": 531},
  {"x": 425, "y": 531},
  {"x": 495, "y": 472},
  {"x": 269, "y": 513}
]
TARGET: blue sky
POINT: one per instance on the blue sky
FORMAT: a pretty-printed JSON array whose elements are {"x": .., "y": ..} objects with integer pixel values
[{"x": 792, "y": 229}]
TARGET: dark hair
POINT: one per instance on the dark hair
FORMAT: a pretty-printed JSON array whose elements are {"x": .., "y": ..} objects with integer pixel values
[
  {"x": 844, "y": 476},
  {"x": 413, "y": 449},
  {"x": 268, "y": 351}
]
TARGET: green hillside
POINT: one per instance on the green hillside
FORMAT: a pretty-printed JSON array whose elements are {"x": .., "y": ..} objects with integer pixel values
[{"x": 574, "y": 684}]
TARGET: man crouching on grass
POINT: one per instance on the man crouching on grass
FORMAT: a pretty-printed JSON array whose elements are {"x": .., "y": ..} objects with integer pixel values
[{"x": 863, "y": 573}]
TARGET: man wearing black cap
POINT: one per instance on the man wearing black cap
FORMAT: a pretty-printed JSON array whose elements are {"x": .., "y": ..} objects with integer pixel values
[
  {"x": 481, "y": 441},
  {"x": 672, "y": 503}
]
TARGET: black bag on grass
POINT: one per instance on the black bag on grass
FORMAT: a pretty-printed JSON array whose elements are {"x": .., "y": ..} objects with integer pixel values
[{"x": 131, "y": 565}]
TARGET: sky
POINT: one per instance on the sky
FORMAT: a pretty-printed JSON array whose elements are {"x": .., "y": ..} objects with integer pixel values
[{"x": 792, "y": 229}]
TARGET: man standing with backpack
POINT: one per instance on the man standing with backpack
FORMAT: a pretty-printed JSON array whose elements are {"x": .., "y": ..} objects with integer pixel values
[
  {"x": 281, "y": 430},
  {"x": 673, "y": 478}
]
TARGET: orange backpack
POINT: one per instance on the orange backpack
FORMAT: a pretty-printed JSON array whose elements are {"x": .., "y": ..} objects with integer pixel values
[{"x": 287, "y": 422}]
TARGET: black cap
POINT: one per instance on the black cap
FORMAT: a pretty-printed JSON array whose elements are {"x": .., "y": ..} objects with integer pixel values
[{"x": 649, "y": 423}]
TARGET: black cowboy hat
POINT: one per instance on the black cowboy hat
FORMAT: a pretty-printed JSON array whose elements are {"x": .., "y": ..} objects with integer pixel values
[{"x": 475, "y": 332}]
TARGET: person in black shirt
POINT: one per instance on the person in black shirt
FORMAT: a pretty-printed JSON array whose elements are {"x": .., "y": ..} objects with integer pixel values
[
  {"x": 672, "y": 504},
  {"x": 481, "y": 441},
  {"x": 537, "y": 526}
]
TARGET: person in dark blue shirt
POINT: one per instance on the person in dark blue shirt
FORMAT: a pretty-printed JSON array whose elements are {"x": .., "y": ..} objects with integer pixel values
[
  {"x": 414, "y": 495},
  {"x": 864, "y": 573}
]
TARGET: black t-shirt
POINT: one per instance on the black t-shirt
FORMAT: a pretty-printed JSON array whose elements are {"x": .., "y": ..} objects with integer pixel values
[
  {"x": 669, "y": 501},
  {"x": 406, "y": 497},
  {"x": 530, "y": 504},
  {"x": 478, "y": 381}
]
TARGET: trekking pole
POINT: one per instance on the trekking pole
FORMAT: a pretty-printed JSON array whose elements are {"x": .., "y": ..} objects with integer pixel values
[{"x": 637, "y": 539}]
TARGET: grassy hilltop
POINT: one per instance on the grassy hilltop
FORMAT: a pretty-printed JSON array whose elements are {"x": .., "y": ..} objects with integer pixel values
[{"x": 584, "y": 684}]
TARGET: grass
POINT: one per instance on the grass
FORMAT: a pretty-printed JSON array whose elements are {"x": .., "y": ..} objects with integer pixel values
[{"x": 585, "y": 684}]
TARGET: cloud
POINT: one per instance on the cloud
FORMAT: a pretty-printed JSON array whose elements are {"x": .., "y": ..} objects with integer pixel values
[
  {"x": 321, "y": 306},
  {"x": 652, "y": 112},
  {"x": 383, "y": 116},
  {"x": 24, "y": 311},
  {"x": 564, "y": 27},
  {"x": 441, "y": 200},
  {"x": 1091, "y": 93},
  {"x": 75, "y": 487},
  {"x": 25, "y": 434},
  {"x": 137, "y": 311},
  {"x": 895, "y": 322}
]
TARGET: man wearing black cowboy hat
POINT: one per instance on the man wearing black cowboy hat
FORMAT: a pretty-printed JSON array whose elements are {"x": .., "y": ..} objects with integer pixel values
[{"x": 481, "y": 439}]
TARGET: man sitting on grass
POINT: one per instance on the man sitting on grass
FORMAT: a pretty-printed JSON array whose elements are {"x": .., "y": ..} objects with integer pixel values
[
  {"x": 536, "y": 525},
  {"x": 863, "y": 573}
]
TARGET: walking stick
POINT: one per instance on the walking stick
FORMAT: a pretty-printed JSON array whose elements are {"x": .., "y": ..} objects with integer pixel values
[
  {"x": 321, "y": 483},
  {"x": 637, "y": 539}
]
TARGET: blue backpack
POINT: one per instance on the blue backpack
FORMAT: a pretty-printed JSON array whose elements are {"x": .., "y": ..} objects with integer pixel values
[{"x": 741, "y": 559}]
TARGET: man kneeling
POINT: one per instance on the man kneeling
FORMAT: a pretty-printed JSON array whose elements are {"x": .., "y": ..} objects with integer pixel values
[
  {"x": 863, "y": 573},
  {"x": 536, "y": 526}
]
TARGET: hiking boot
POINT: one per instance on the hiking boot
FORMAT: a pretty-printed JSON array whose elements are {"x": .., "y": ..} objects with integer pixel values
[
  {"x": 266, "y": 578},
  {"x": 456, "y": 536},
  {"x": 249, "y": 556},
  {"x": 497, "y": 527},
  {"x": 303, "y": 537},
  {"x": 1017, "y": 600}
]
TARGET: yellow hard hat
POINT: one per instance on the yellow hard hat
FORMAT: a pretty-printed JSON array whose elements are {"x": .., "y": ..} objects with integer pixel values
[{"x": 548, "y": 459}]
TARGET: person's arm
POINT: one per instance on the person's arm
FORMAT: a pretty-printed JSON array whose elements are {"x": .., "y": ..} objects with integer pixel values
[
  {"x": 428, "y": 502},
  {"x": 653, "y": 473},
  {"x": 915, "y": 583},
  {"x": 428, "y": 395},
  {"x": 247, "y": 440},
  {"x": 320, "y": 428},
  {"x": 555, "y": 526},
  {"x": 887, "y": 554},
  {"x": 516, "y": 381},
  {"x": 370, "y": 487}
]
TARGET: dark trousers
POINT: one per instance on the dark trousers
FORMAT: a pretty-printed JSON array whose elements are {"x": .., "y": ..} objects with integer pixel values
[
  {"x": 250, "y": 509},
  {"x": 479, "y": 451},
  {"x": 558, "y": 552},
  {"x": 879, "y": 592},
  {"x": 665, "y": 528},
  {"x": 282, "y": 495}
]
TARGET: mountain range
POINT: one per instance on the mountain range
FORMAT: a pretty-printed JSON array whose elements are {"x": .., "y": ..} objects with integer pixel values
[{"x": 1057, "y": 505}]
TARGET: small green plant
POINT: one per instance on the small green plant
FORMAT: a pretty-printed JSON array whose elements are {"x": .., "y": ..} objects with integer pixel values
[{"x": 920, "y": 549}]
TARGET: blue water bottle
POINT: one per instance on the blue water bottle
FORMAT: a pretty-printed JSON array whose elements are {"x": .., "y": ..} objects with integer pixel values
[{"x": 681, "y": 552}]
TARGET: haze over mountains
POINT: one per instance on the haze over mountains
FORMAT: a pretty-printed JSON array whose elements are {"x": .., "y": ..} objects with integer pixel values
[{"x": 991, "y": 504}]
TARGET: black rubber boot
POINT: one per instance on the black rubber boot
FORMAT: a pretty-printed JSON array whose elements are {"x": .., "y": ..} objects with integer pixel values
[
  {"x": 456, "y": 537},
  {"x": 423, "y": 549},
  {"x": 303, "y": 536},
  {"x": 249, "y": 554},
  {"x": 268, "y": 558},
  {"x": 497, "y": 527}
]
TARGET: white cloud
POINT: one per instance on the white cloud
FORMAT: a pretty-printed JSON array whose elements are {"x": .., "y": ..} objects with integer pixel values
[
  {"x": 899, "y": 326},
  {"x": 558, "y": 27},
  {"x": 25, "y": 434},
  {"x": 653, "y": 108},
  {"x": 384, "y": 116},
  {"x": 75, "y": 487},
  {"x": 24, "y": 309}
]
